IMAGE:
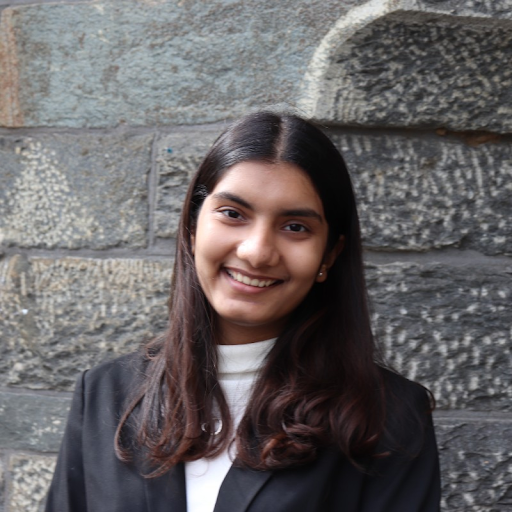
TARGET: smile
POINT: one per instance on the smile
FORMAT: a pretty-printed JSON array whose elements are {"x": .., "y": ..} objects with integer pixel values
[{"x": 257, "y": 283}]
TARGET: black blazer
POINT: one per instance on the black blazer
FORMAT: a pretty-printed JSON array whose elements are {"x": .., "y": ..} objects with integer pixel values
[{"x": 89, "y": 477}]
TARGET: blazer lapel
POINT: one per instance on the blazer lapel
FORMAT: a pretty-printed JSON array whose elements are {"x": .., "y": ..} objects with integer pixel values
[
  {"x": 167, "y": 493},
  {"x": 239, "y": 489}
]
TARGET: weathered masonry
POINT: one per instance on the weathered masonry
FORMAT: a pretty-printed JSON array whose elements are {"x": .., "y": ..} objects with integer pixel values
[{"x": 107, "y": 107}]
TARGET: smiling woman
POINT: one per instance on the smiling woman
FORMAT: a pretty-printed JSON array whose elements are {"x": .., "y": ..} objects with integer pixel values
[{"x": 266, "y": 392}]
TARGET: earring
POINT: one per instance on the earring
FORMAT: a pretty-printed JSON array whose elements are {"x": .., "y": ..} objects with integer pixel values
[{"x": 320, "y": 274}]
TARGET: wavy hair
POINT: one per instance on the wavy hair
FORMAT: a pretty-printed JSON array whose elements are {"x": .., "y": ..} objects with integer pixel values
[{"x": 320, "y": 384}]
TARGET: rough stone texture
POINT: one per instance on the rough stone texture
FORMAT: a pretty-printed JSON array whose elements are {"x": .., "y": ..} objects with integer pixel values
[
  {"x": 153, "y": 62},
  {"x": 32, "y": 422},
  {"x": 2, "y": 483},
  {"x": 31, "y": 476},
  {"x": 60, "y": 316},
  {"x": 415, "y": 194},
  {"x": 494, "y": 8},
  {"x": 10, "y": 114},
  {"x": 418, "y": 69},
  {"x": 74, "y": 191},
  {"x": 449, "y": 328},
  {"x": 476, "y": 460},
  {"x": 431, "y": 192},
  {"x": 158, "y": 62},
  {"x": 178, "y": 157}
]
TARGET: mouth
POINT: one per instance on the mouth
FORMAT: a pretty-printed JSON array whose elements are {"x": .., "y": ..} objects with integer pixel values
[{"x": 250, "y": 281}]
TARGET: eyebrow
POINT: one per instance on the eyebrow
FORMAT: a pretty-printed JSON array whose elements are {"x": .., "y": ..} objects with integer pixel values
[{"x": 295, "y": 212}]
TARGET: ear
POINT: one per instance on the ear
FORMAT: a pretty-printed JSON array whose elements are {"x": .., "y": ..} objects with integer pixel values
[{"x": 330, "y": 258}]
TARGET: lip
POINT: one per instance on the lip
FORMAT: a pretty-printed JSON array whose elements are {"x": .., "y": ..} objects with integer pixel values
[{"x": 259, "y": 282}]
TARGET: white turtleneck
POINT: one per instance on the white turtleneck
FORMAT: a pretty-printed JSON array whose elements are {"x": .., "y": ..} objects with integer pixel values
[{"x": 238, "y": 367}]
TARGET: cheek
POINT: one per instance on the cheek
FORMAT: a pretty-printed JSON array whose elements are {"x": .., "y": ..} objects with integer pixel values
[
  {"x": 306, "y": 262},
  {"x": 209, "y": 251}
]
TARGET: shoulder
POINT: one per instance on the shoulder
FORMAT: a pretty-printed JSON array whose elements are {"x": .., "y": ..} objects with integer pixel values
[
  {"x": 408, "y": 407},
  {"x": 113, "y": 382},
  {"x": 122, "y": 368},
  {"x": 406, "y": 391}
]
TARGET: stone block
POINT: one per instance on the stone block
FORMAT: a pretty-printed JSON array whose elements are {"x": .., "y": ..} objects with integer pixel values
[
  {"x": 431, "y": 192},
  {"x": 447, "y": 327},
  {"x": 476, "y": 457},
  {"x": 74, "y": 190},
  {"x": 103, "y": 63},
  {"x": 32, "y": 421},
  {"x": 419, "y": 69},
  {"x": 178, "y": 157},
  {"x": 30, "y": 477},
  {"x": 61, "y": 316}
]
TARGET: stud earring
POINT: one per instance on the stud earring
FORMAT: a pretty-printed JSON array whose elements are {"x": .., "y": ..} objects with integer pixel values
[{"x": 320, "y": 274}]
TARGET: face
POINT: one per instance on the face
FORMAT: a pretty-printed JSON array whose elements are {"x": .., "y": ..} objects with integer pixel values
[{"x": 259, "y": 246}]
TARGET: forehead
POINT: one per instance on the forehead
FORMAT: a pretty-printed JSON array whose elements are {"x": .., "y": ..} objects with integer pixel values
[{"x": 282, "y": 184}]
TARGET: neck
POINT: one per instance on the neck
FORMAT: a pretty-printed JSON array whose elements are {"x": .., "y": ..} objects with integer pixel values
[{"x": 233, "y": 334}]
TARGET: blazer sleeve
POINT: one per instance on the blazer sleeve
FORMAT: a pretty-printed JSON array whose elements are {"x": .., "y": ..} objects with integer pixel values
[
  {"x": 409, "y": 479},
  {"x": 67, "y": 490}
]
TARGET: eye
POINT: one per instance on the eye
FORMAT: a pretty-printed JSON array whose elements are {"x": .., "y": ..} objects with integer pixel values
[
  {"x": 296, "y": 228},
  {"x": 231, "y": 214}
]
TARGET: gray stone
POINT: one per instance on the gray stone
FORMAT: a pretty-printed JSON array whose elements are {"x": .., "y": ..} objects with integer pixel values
[
  {"x": 32, "y": 421},
  {"x": 422, "y": 70},
  {"x": 494, "y": 8},
  {"x": 449, "y": 328},
  {"x": 421, "y": 193},
  {"x": 61, "y": 316},
  {"x": 30, "y": 478},
  {"x": 156, "y": 62},
  {"x": 178, "y": 157},
  {"x": 74, "y": 191},
  {"x": 476, "y": 457},
  {"x": 2, "y": 482},
  {"x": 415, "y": 194}
]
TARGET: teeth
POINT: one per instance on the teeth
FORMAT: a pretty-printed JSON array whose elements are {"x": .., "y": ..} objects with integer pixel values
[{"x": 251, "y": 282}]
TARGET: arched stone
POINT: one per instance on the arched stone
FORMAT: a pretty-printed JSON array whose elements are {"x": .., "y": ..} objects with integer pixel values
[{"x": 414, "y": 64}]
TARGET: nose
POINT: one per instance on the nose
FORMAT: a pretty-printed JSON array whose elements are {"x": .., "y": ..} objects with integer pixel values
[{"x": 258, "y": 248}]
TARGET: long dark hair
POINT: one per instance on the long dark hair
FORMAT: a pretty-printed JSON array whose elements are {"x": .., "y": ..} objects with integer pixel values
[{"x": 320, "y": 385}]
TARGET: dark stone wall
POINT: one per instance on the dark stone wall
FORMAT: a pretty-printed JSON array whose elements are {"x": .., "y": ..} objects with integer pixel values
[{"x": 106, "y": 109}]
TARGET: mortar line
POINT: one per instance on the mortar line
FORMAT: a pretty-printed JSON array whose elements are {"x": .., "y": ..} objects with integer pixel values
[
  {"x": 162, "y": 251},
  {"x": 410, "y": 131},
  {"x": 36, "y": 392},
  {"x": 152, "y": 190},
  {"x": 472, "y": 416},
  {"x": 9, "y": 452},
  {"x": 16, "y": 3},
  {"x": 105, "y": 130},
  {"x": 166, "y": 247},
  {"x": 446, "y": 256},
  {"x": 217, "y": 126}
]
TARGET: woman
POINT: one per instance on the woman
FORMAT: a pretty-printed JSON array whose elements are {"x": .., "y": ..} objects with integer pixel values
[{"x": 265, "y": 392}]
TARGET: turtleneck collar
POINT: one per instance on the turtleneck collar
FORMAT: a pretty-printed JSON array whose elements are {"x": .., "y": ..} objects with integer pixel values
[{"x": 238, "y": 361}]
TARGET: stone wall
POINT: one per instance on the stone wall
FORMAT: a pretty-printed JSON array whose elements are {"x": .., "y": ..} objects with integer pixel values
[{"x": 107, "y": 107}]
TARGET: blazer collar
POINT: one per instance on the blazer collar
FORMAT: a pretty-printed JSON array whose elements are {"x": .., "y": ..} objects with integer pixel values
[
  {"x": 239, "y": 489},
  {"x": 167, "y": 493}
]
